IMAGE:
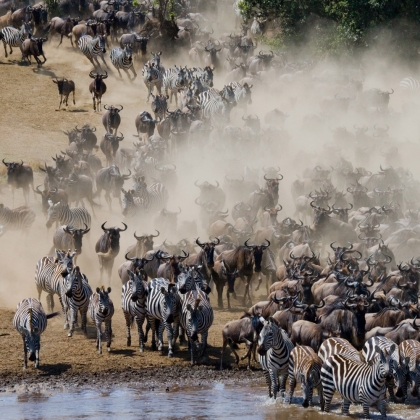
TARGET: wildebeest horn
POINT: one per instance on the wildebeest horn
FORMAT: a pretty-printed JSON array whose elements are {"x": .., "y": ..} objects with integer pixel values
[
  {"x": 199, "y": 243},
  {"x": 125, "y": 228},
  {"x": 103, "y": 227}
]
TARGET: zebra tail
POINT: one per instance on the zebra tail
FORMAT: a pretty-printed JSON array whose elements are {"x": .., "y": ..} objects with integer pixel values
[{"x": 52, "y": 315}]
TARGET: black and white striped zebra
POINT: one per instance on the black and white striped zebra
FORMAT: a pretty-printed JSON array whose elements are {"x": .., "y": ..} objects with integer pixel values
[
  {"x": 123, "y": 59},
  {"x": 14, "y": 37},
  {"x": 174, "y": 79},
  {"x": 410, "y": 361},
  {"x": 205, "y": 75},
  {"x": 156, "y": 61},
  {"x": 217, "y": 105},
  {"x": 357, "y": 382},
  {"x": 274, "y": 348},
  {"x": 50, "y": 273},
  {"x": 133, "y": 303},
  {"x": 409, "y": 83},
  {"x": 159, "y": 106},
  {"x": 75, "y": 294},
  {"x": 30, "y": 321},
  {"x": 305, "y": 367},
  {"x": 146, "y": 166},
  {"x": 242, "y": 94},
  {"x": 101, "y": 310},
  {"x": 152, "y": 77},
  {"x": 92, "y": 48},
  {"x": 338, "y": 346},
  {"x": 397, "y": 372},
  {"x": 154, "y": 196},
  {"x": 161, "y": 308},
  {"x": 20, "y": 218},
  {"x": 77, "y": 217},
  {"x": 196, "y": 318}
]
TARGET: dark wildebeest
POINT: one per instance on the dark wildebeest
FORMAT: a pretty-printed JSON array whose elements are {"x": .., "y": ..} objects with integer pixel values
[
  {"x": 97, "y": 88},
  {"x": 204, "y": 258},
  {"x": 33, "y": 47},
  {"x": 145, "y": 124},
  {"x": 65, "y": 87},
  {"x": 306, "y": 333},
  {"x": 222, "y": 277},
  {"x": 144, "y": 244},
  {"x": 107, "y": 248},
  {"x": 67, "y": 237},
  {"x": 110, "y": 180},
  {"x": 139, "y": 43},
  {"x": 109, "y": 146},
  {"x": 171, "y": 267},
  {"x": 19, "y": 176},
  {"x": 136, "y": 265},
  {"x": 111, "y": 119},
  {"x": 63, "y": 27},
  {"x": 247, "y": 260},
  {"x": 244, "y": 330}
]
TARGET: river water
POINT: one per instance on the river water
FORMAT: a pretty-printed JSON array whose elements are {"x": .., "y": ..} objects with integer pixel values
[{"x": 215, "y": 401}]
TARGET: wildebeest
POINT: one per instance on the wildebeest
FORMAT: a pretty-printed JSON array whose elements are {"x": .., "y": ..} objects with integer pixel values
[
  {"x": 67, "y": 237},
  {"x": 19, "y": 175},
  {"x": 97, "y": 88},
  {"x": 136, "y": 265},
  {"x": 62, "y": 27},
  {"x": 107, "y": 248},
  {"x": 110, "y": 180},
  {"x": 145, "y": 124},
  {"x": 65, "y": 87},
  {"x": 111, "y": 119},
  {"x": 33, "y": 47},
  {"x": 109, "y": 146},
  {"x": 143, "y": 244}
]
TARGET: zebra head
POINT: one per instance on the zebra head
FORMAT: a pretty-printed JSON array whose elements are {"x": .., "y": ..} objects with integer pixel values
[
  {"x": 138, "y": 289},
  {"x": 193, "y": 317},
  {"x": 181, "y": 76},
  {"x": 385, "y": 361},
  {"x": 268, "y": 335},
  {"x": 104, "y": 301},
  {"x": 156, "y": 58},
  {"x": 128, "y": 203},
  {"x": 72, "y": 282},
  {"x": 207, "y": 76},
  {"x": 128, "y": 52},
  {"x": 65, "y": 259},
  {"x": 169, "y": 302}
]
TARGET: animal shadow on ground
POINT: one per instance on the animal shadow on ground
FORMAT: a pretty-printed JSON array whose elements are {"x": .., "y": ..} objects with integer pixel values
[
  {"x": 53, "y": 370},
  {"x": 43, "y": 71},
  {"x": 76, "y": 110},
  {"x": 124, "y": 352},
  {"x": 8, "y": 63}
]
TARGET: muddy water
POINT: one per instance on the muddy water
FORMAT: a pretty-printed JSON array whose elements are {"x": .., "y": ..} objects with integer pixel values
[{"x": 216, "y": 401}]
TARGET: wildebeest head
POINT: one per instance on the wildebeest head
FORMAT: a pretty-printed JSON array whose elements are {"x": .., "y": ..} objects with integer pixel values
[
  {"x": 77, "y": 235},
  {"x": 38, "y": 42},
  {"x": 60, "y": 84},
  {"x": 272, "y": 185},
  {"x": 13, "y": 170},
  {"x": 112, "y": 235},
  {"x": 257, "y": 251},
  {"x": 208, "y": 250},
  {"x": 146, "y": 241},
  {"x": 117, "y": 180},
  {"x": 113, "y": 113},
  {"x": 142, "y": 40},
  {"x": 98, "y": 79},
  {"x": 104, "y": 301},
  {"x": 206, "y": 186}
]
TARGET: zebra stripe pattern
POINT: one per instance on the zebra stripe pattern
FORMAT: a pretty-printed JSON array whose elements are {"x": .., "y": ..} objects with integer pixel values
[
  {"x": 242, "y": 93},
  {"x": 159, "y": 106},
  {"x": 205, "y": 75},
  {"x": 152, "y": 77},
  {"x": 146, "y": 166},
  {"x": 133, "y": 303},
  {"x": 274, "y": 348},
  {"x": 174, "y": 79},
  {"x": 50, "y": 273},
  {"x": 20, "y": 218},
  {"x": 217, "y": 104},
  {"x": 75, "y": 294},
  {"x": 14, "y": 37},
  {"x": 305, "y": 367},
  {"x": 161, "y": 310},
  {"x": 357, "y": 382},
  {"x": 123, "y": 59},
  {"x": 409, "y": 83},
  {"x": 397, "y": 373},
  {"x": 196, "y": 318},
  {"x": 92, "y": 48},
  {"x": 30, "y": 321},
  {"x": 78, "y": 217},
  {"x": 153, "y": 197},
  {"x": 410, "y": 363},
  {"x": 101, "y": 310},
  {"x": 338, "y": 346}
]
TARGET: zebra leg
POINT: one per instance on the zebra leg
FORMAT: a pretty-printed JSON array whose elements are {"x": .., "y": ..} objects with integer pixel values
[
  {"x": 127, "y": 317},
  {"x": 268, "y": 382},
  {"x": 74, "y": 93},
  {"x": 169, "y": 334},
  {"x": 141, "y": 333},
  {"x": 83, "y": 316},
  {"x": 36, "y": 365},
  {"x": 160, "y": 336},
  {"x": 134, "y": 72},
  {"x": 72, "y": 322},
  {"x": 153, "y": 328},
  {"x": 192, "y": 349},
  {"x": 108, "y": 334},
  {"x": 282, "y": 383},
  {"x": 5, "y": 49},
  {"x": 119, "y": 72},
  {"x": 274, "y": 382},
  {"x": 390, "y": 388},
  {"x": 321, "y": 396},
  {"x": 204, "y": 343},
  {"x": 310, "y": 394},
  {"x": 98, "y": 337},
  {"x": 346, "y": 405},
  {"x": 381, "y": 407},
  {"x": 25, "y": 354},
  {"x": 292, "y": 385},
  {"x": 103, "y": 59}
]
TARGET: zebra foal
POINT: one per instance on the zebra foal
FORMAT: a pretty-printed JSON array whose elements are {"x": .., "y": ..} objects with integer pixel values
[
  {"x": 357, "y": 382},
  {"x": 101, "y": 310},
  {"x": 78, "y": 217},
  {"x": 30, "y": 321}
]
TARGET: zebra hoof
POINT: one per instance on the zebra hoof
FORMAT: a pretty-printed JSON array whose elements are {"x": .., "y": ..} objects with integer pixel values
[
  {"x": 70, "y": 334},
  {"x": 128, "y": 342},
  {"x": 109, "y": 349},
  {"x": 36, "y": 365},
  {"x": 170, "y": 354},
  {"x": 141, "y": 349},
  {"x": 160, "y": 348}
]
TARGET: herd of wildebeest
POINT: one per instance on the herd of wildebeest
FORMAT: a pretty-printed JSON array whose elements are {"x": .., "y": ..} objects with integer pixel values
[{"x": 341, "y": 272}]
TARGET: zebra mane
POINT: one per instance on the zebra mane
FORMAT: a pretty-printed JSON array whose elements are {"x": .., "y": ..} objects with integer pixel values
[{"x": 30, "y": 318}]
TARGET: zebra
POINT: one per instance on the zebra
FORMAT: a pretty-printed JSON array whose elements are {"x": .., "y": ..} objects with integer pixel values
[
  {"x": 356, "y": 381},
  {"x": 30, "y": 321},
  {"x": 50, "y": 273},
  {"x": 274, "y": 348},
  {"x": 154, "y": 196},
  {"x": 410, "y": 359},
  {"x": 174, "y": 79},
  {"x": 146, "y": 165},
  {"x": 152, "y": 77},
  {"x": 59, "y": 212},
  {"x": 92, "y": 47},
  {"x": 123, "y": 59},
  {"x": 397, "y": 372},
  {"x": 217, "y": 104},
  {"x": 161, "y": 308},
  {"x": 196, "y": 318},
  {"x": 204, "y": 75},
  {"x": 408, "y": 83},
  {"x": 133, "y": 303},
  {"x": 132, "y": 206},
  {"x": 156, "y": 61},
  {"x": 305, "y": 367},
  {"x": 159, "y": 106},
  {"x": 20, "y": 218},
  {"x": 75, "y": 294},
  {"x": 14, "y": 37},
  {"x": 242, "y": 94},
  {"x": 186, "y": 97},
  {"x": 338, "y": 346},
  {"x": 101, "y": 309}
]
